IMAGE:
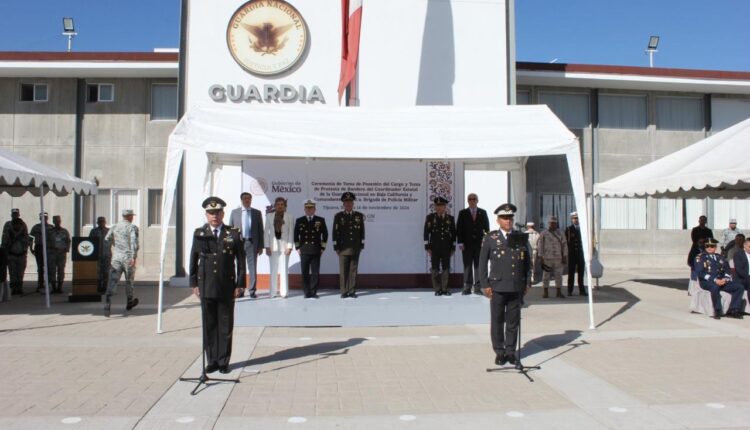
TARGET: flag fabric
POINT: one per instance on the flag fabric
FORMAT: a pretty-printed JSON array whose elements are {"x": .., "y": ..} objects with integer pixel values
[{"x": 351, "y": 11}]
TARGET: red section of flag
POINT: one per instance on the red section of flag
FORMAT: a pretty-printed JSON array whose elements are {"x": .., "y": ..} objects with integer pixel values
[{"x": 352, "y": 22}]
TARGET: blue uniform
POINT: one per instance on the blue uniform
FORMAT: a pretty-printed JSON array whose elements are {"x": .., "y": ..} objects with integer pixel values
[{"x": 712, "y": 267}]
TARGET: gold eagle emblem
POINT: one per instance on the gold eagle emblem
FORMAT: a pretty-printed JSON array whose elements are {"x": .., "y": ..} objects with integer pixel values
[{"x": 267, "y": 37}]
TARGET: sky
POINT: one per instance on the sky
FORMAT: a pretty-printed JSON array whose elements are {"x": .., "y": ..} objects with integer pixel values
[{"x": 695, "y": 34}]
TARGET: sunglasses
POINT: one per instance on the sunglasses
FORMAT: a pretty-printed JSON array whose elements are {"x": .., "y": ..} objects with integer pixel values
[{"x": 710, "y": 246}]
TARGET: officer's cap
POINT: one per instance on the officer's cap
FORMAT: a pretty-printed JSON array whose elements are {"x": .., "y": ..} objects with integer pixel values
[
  {"x": 41, "y": 214},
  {"x": 506, "y": 209},
  {"x": 440, "y": 200},
  {"x": 213, "y": 204},
  {"x": 552, "y": 219},
  {"x": 731, "y": 220},
  {"x": 348, "y": 196},
  {"x": 15, "y": 211},
  {"x": 530, "y": 223},
  {"x": 309, "y": 203},
  {"x": 574, "y": 214},
  {"x": 711, "y": 242},
  {"x": 127, "y": 212}
]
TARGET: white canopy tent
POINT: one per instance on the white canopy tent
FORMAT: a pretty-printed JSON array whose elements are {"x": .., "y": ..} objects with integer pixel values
[
  {"x": 415, "y": 133},
  {"x": 20, "y": 175},
  {"x": 714, "y": 167}
]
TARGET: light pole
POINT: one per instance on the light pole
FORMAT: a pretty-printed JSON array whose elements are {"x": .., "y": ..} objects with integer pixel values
[
  {"x": 653, "y": 42},
  {"x": 69, "y": 30}
]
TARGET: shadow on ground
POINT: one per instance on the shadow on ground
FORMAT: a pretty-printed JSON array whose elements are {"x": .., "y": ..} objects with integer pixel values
[{"x": 313, "y": 352}]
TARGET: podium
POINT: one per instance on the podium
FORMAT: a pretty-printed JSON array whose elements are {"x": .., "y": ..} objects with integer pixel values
[{"x": 85, "y": 256}]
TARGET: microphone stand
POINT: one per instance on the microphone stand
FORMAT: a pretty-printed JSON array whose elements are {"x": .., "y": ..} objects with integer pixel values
[
  {"x": 519, "y": 367},
  {"x": 204, "y": 378}
]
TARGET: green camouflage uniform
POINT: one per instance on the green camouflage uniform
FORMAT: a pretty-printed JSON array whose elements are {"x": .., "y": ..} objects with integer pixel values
[{"x": 124, "y": 235}]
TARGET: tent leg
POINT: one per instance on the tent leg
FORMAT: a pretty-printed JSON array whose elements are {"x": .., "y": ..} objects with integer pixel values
[{"x": 43, "y": 223}]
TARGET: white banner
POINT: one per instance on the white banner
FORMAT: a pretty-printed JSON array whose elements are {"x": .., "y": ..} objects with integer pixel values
[{"x": 394, "y": 196}]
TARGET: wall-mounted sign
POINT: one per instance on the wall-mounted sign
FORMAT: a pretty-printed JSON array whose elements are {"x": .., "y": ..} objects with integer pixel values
[{"x": 267, "y": 37}]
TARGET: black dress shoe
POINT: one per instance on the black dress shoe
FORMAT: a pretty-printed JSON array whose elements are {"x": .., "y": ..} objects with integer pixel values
[
  {"x": 107, "y": 308},
  {"x": 253, "y": 296},
  {"x": 446, "y": 293},
  {"x": 511, "y": 358},
  {"x": 478, "y": 292},
  {"x": 353, "y": 295},
  {"x": 734, "y": 314},
  {"x": 438, "y": 293},
  {"x": 211, "y": 368},
  {"x": 224, "y": 369},
  {"x": 315, "y": 296},
  {"x": 131, "y": 304},
  {"x": 501, "y": 359},
  {"x": 343, "y": 296},
  {"x": 716, "y": 315},
  {"x": 465, "y": 292}
]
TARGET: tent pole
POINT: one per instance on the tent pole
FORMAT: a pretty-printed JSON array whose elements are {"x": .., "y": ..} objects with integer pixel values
[{"x": 43, "y": 223}]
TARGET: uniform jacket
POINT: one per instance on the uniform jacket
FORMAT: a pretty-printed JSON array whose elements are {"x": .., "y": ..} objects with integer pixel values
[
  {"x": 310, "y": 237},
  {"x": 470, "y": 232},
  {"x": 573, "y": 237},
  {"x": 97, "y": 234},
  {"x": 124, "y": 237},
  {"x": 348, "y": 231},
  {"x": 59, "y": 240},
  {"x": 287, "y": 233},
  {"x": 741, "y": 268},
  {"x": 508, "y": 266},
  {"x": 36, "y": 234},
  {"x": 552, "y": 246},
  {"x": 256, "y": 225},
  {"x": 439, "y": 233},
  {"x": 217, "y": 266},
  {"x": 16, "y": 240},
  {"x": 710, "y": 267}
]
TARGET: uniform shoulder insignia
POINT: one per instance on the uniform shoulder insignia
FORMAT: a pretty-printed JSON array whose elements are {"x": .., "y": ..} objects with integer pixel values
[
  {"x": 235, "y": 229},
  {"x": 493, "y": 234}
]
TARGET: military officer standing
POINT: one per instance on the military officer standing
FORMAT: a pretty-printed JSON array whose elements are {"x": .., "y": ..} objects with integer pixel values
[
  {"x": 712, "y": 271},
  {"x": 348, "y": 242},
  {"x": 310, "y": 239},
  {"x": 507, "y": 253},
  {"x": 217, "y": 276},
  {"x": 440, "y": 244},
  {"x": 124, "y": 235},
  {"x": 39, "y": 250},
  {"x": 97, "y": 235},
  {"x": 16, "y": 242},
  {"x": 59, "y": 246}
]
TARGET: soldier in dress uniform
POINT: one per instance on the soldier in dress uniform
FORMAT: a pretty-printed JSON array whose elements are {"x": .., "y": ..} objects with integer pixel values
[
  {"x": 310, "y": 239},
  {"x": 217, "y": 276},
  {"x": 124, "y": 236},
  {"x": 97, "y": 235},
  {"x": 59, "y": 246},
  {"x": 507, "y": 253},
  {"x": 576, "y": 261},
  {"x": 16, "y": 243},
  {"x": 348, "y": 242},
  {"x": 39, "y": 250},
  {"x": 712, "y": 271},
  {"x": 440, "y": 244}
]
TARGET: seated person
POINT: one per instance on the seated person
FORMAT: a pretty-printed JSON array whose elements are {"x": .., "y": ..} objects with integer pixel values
[
  {"x": 742, "y": 264},
  {"x": 734, "y": 249},
  {"x": 713, "y": 275}
]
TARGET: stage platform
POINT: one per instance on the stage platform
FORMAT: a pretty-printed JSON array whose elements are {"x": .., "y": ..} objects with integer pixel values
[{"x": 371, "y": 308}]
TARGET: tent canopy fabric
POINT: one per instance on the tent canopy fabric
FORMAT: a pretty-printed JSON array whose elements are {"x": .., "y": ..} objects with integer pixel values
[
  {"x": 19, "y": 175},
  {"x": 713, "y": 167},
  {"x": 454, "y": 133}
]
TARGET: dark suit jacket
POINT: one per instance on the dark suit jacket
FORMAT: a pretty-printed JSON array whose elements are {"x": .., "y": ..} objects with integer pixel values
[
  {"x": 575, "y": 245},
  {"x": 256, "y": 224},
  {"x": 742, "y": 271},
  {"x": 310, "y": 237},
  {"x": 469, "y": 232},
  {"x": 217, "y": 266},
  {"x": 509, "y": 262}
]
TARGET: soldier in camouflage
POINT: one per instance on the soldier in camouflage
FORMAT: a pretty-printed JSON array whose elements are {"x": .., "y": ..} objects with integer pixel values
[
  {"x": 97, "y": 236},
  {"x": 15, "y": 243},
  {"x": 124, "y": 236},
  {"x": 39, "y": 251},
  {"x": 59, "y": 246}
]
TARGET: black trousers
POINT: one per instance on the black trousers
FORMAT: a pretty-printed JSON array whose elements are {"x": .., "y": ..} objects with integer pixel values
[
  {"x": 576, "y": 266},
  {"x": 471, "y": 266},
  {"x": 310, "y": 267},
  {"x": 505, "y": 312},
  {"x": 218, "y": 321},
  {"x": 348, "y": 267},
  {"x": 440, "y": 262},
  {"x": 734, "y": 288}
]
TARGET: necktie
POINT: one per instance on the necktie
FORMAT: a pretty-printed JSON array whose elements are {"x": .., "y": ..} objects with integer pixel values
[
  {"x": 247, "y": 224},
  {"x": 216, "y": 233},
  {"x": 309, "y": 219},
  {"x": 473, "y": 214}
]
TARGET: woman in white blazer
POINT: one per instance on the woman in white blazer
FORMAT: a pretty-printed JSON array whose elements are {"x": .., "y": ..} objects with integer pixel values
[{"x": 279, "y": 240}]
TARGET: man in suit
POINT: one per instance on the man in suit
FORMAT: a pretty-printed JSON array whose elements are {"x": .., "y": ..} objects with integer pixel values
[
  {"x": 310, "y": 239},
  {"x": 440, "y": 244},
  {"x": 742, "y": 265},
  {"x": 250, "y": 223},
  {"x": 217, "y": 276},
  {"x": 471, "y": 226},
  {"x": 505, "y": 281},
  {"x": 712, "y": 271},
  {"x": 348, "y": 242},
  {"x": 576, "y": 261}
]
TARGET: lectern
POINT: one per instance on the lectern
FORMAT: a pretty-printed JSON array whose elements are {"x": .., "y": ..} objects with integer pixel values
[{"x": 85, "y": 265}]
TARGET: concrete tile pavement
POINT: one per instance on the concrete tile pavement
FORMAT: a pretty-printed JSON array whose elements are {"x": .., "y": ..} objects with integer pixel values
[{"x": 650, "y": 364}]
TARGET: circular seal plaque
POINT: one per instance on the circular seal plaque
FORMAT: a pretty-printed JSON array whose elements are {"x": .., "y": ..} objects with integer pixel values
[
  {"x": 85, "y": 248},
  {"x": 267, "y": 37}
]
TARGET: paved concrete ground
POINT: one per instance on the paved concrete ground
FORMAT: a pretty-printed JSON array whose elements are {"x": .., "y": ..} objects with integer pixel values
[{"x": 649, "y": 364}]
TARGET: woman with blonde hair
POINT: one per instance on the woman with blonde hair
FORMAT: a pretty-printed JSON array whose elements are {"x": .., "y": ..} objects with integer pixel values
[{"x": 279, "y": 240}]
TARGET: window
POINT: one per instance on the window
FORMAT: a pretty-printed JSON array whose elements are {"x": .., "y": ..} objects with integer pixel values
[
  {"x": 100, "y": 93},
  {"x": 622, "y": 111},
  {"x": 725, "y": 209},
  {"x": 523, "y": 97},
  {"x": 154, "y": 209},
  {"x": 572, "y": 109},
  {"x": 33, "y": 92},
  {"x": 164, "y": 102},
  {"x": 623, "y": 214},
  {"x": 109, "y": 203},
  {"x": 679, "y": 113}
]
